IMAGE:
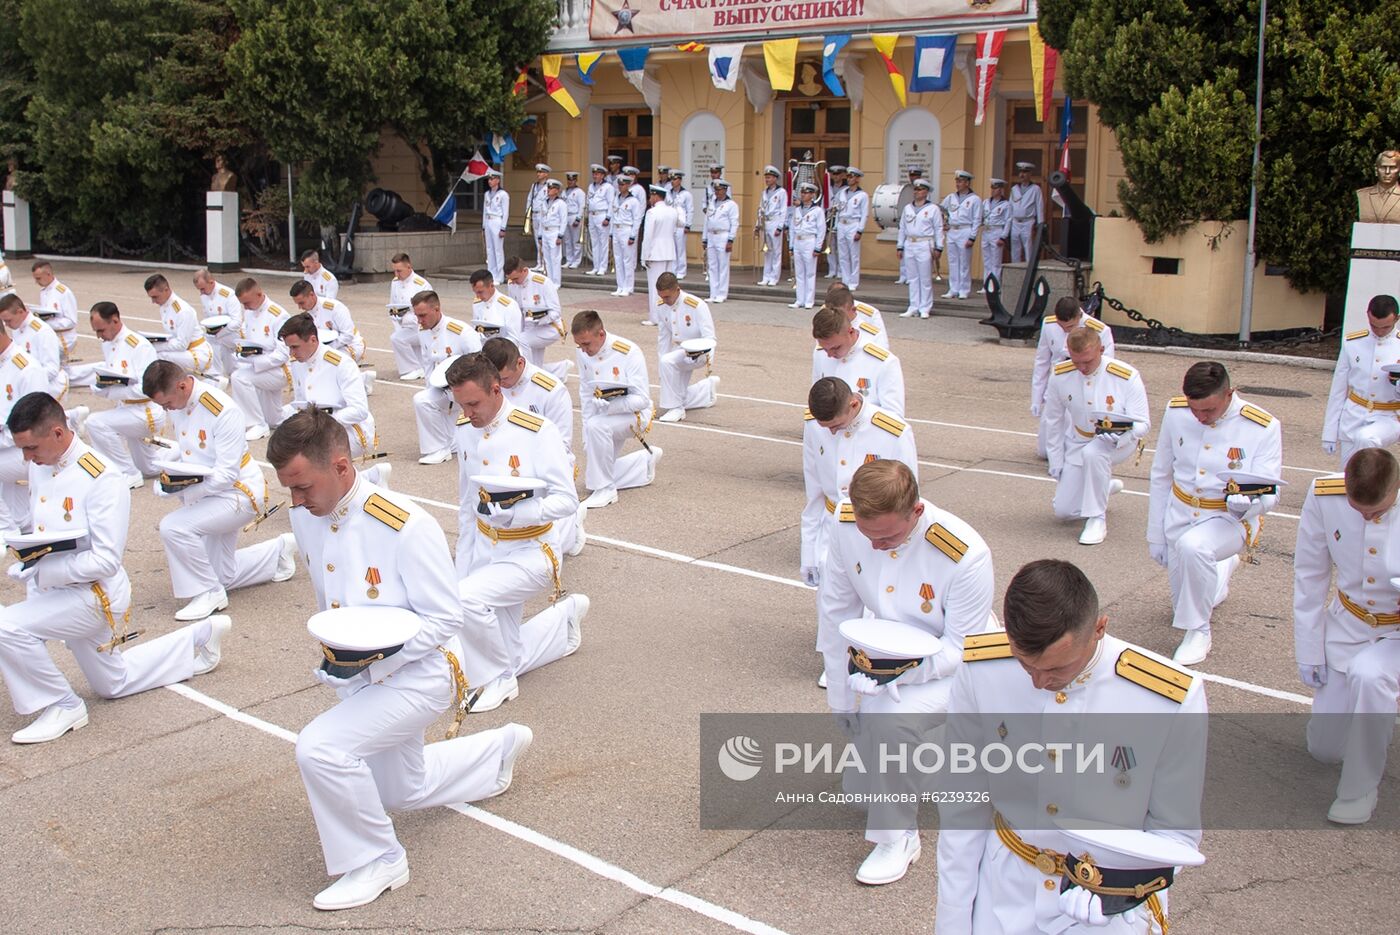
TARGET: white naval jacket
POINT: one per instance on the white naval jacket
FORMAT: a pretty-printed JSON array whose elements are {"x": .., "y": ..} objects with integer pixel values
[
  {"x": 331, "y": 379},
  {"x": 221, "y": 301},
  {"x": 1367, "y": 557},
  {"x": 1050, "y": 350},
  {"x": 721, "y": 224},
  {"x": 996, "y": 219},
  {"x": 335, "y": 315},
  {"x": 536, "y": 294},
  {"x": 324, "y": 282},
  {"x": 659, "y": 238},
  {"x": 921, "y": 222},
  {"x": 1072, "y": 399},
  {"x": 617, "y": 361},
  {"x": 43, "y": 347},
  {"x": 129, "y": 353},
  {"x": 940, "y": 579},
  {"x": 503, "y": 311},
  {"x": 448, "y": 338},
  {"x": 773, "y": 208},
  {"x": 869, "y": 369},
  {"x": 1027, "y": 203},
  {"x": 829, "y": 459},
  {"x": 869, "y": 321},
  {"x": 260, "y": 326},
  {"x": 854, "y": 210},
  {"x": 684, "y": 202},
  {"x": 687, "y": 320},
  {"x": 58, "y": 298},
  {"x": 19, "y": 376},
  {"x": 495, "y": 208},
  {"x": 81, "y": 492},
  {"x": 1359, "y": 373},
  {"x": 181, "y": 325},
  {"x": 402, "y": 291},
  {"x": 964, "y": 214},
  {"x": 545, "y": 395},
  {"x": 808, "y": 224},
  {"x": 208, "y": 430},
  {"x": 1160, "y": 793}
]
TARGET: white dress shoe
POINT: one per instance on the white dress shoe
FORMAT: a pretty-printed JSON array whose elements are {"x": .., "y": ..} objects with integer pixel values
[
  {"x": 794, "y": 305},
  {"x": 436, "y": 457},
  {"x": 1095, "y": 531},
  {"x": 206, "y": 657},
  {"x": 909, "y": 313},
  {"x": 411, "y": 375},
  {"x": 134, "y": 480},
  {"x": 518, "y": 740},
  {"x": 603, "y": 496},
  {"x": 256, "y": 432},
  {"x": 363, "y": 885},
  {"x": 672, "y": 415},
  {"x": 580, "y": 537},
  {"x": 656, "y": 453},
  {"x": 890, "y": 861},
  {"x": 53, "y": 724},
  {"x": 1353, "y": 811},
  {"x": 496, "y": 693},
  {"x": 925, "y": 313},
  {"x": 821, "y": 679},
  {"x": 1194, "y": 648},
  {"x": 648, "y": 323},
  {"x": 950, "y": 295},
  {"x": 286, "y": 558},
  {"x": 578, "y": 609},
  {"x": 808, "y": 305},
  {"x": 1115, "y": 486},
  {"x": 210, "y": 602}
]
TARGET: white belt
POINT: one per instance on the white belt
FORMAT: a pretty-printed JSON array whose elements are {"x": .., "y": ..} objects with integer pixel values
[{"x": 918, "y": 239}]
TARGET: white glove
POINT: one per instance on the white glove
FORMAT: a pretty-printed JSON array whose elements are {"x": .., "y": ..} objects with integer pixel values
[
  {"x": 811, "y": 575},
  {"x": 18, "y": 572},
  {"x": 617, "y": 407},
  {"x": 330, "y": 681},
  {"x": 1035, "y": 410},
  {"x": 862, "y": 684},
  {"x": 1055, "y": 471},
  {"x": 158, "y": 490},
  {"x": 525, "y": 513},
  {"x": 596, "y": 405},
  {"x": 1158, "y": 551},
  {"x": 1125, "y": 439},
  {"x": 1245, "y": 508},
  {"x": 1083, "y": 907},
  {"x": 1312, "y": 676},
  {"x": 1329, "y": 447}
]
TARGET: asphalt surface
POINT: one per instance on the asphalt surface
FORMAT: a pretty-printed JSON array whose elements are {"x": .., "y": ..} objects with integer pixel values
[{"x": 182, "y": 810}]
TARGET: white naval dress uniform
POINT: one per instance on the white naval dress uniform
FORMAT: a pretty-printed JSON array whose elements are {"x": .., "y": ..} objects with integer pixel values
[
  {"x": 20, "y": 377},
  {"x": 808, "y": 230},
  {"x": 502, "y": 311},
  {"x": 552, "y": 223},
  {"x": 871, "y": 323},
  {"x": 59, "y": 299},
  {"x": 772, "y": 219},
  {"x": 432, "y": 406},
  {"x": 658, "y": 249},
  {"x": 221, "y": 301},
  {"x": 1353, "y": 715},
  {"x": 1050, "y": 352},
  {"x": 335, "y": 315},
  {"x": 1363, "y": 408},
  {"x": 1187, "y": 510},
  {"x": 608, "y": 424},
  {"x": 258, "y": 382},
  {"x": 366, "y": 755},
  {"x": 540, "y": 311},
  {"x": 985, "y": 887},
  {"x": 920, "y": 233},
  {"x": 1081, "y": 460},
  {"x": 201, "y": 536},
  {"x": 1027, "y": 210},
  {"x": 684, "y": 202},
  {"x": 626, "y": 221},
  {"x": 404, "y": 338},
  {"x": 83, "y": 598},
  {"x": 495, "y": 216},
  {"x": 850, "y": 221},
  {"x": 839, "y": 194},
  {"x": 42, "y": 347},
  {"x": 867, "y": 368},
  {"x": 573, "y": 199},
  {"x": 117, "y": 434},
  {"x": 185, "y": 342},
  {"x": 829, "y": 459},
  {"x": 964, "y": 219},
  {"x": 688, "y": 319},
  {"x": 996, "y": 230},
  {"x": 544, "y": 394},
  {"x": 513, "y": 556},
  {"x": 600, "y": 208},
  {"x": 330, "y": 379},
  {"x": 939, "y": 580},
  {"x": 325, "y": 283},
  {"x": 537, "y": 198},
  {"x": 721, "y": 228}
]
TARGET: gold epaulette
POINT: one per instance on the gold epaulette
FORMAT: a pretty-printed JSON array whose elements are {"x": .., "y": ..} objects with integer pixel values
[
  {"x": 326, "y": 275},
  {"x": 462, "y": 419},
  {"x": 1093, "y": 324},
  {"x": 61, "y": 288},
  {"x": 210, "y": 403},
  {"x": 947, "y": 543},
  {"x": 692, "y": 301},
  {"x": 1119, "y": 370},
  {"x": 868, "y": 328},
  {"x": 328, "y": 305},
  {"x": 332, "y": 358},
  {"x": 90, "y": 463},
  {"x": 847, "y": 513},
  {"x": 526, "y": 420},
  {"x": 542, "y": 379},
  {"x": 866, "y": 310},
  {"x": 1257, "y": 416},
  {"x": 1353, "y": 335},
  {"x": 1167, "y": 681},
  {"x": 1330, "y": 486},
  {"x": 1048, "y": 320},
  {"x": 19, "y": 361},
  {"x": 455, "y": 327},
  {"x": 1064, "y": 366},
  {"x": 175, "y": 305},
  {"x": 132, "y": 340},
  {"x": 1177, "y": 402},
  {"x": 982, "y": 646},
  {"x": 536, "y": 277},
  {"x": 807, "y": 415},
  {"x": 877, "y": 352},
  {"x": 390, "y": 514},
  {"x": 35, "y": 326},
  {"x": 419, "y": 281},
  {"x": 883, "y": 420},
  {"x": 502, "y": 300},
  {"x": 225, "y": 292},
  {"x": 622, "y": 347}
]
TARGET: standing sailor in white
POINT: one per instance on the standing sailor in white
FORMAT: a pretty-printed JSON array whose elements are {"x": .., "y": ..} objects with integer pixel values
[
  {"x": 440, "y": 337},
  {"x": 601, "y": 193},
  {"x": 1027, "y": 210},
  {"x": 844, "y": 351},
  {"x": 680, "y": 198},
  {"x": 1101, "y": 405},
  {"x": 552, "y": 222},
  {"x": 333, "y": 315},
  {"x": 185, "y": 343},
  {"x": 772, "y": 221},
  {"x": 404, "y": 338},
  {"x": 260, "y": 376},
  {"x": 535, "y": 201},
  {"x": 201, "y": 536},
  {"x": 40, "y": 345},
  {"x": 658, "y": 247},
  {"x": 920, "y": 243},
  {"x": 721, "y": 228},
  {"x": 683, "y": 317},
  {"x": 370, "y": 549},
  {"x": 837, "y": 187},
  {"x": 494, "y": 312},
  {"x": 851, "y": 218},
  {"x": 325, "y": 283},
  {"x": 216, "y": 298},
  {"x": 626, "y": 222},
  {"x": 964, "y": 216},
  {"x": 59, "y": 300},
  {"x": 1363, "y": 407},
  {"x": 615, "y": 399},
  {"x": 808, "y": 231},
  {"x": 574, "y": 200},
  {"x": 614, "y": 162},
  {"x": 81, "y": 597},
  {"x": 915, "y": 173},
  {"x": 996, "y": 231},
  {"x": 1051, "y": 351},
  {"x": 541, "y": 313},
  {"x": 20, "y": 376},
  {"x": 495, "y": 219}
]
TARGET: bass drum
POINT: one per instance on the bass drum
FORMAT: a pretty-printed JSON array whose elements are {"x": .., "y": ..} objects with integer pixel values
[{"x": 887, "y": 204}]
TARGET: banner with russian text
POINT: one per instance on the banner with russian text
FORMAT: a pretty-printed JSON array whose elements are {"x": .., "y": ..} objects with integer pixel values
[{"x": 702, "y": 19}]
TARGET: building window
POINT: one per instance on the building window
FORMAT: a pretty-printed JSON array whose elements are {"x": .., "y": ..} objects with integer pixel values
[
  {"x": 629, "y": 136},
  {"x": 1166, "y": 266},
  {"x": 819, "y": 131}
]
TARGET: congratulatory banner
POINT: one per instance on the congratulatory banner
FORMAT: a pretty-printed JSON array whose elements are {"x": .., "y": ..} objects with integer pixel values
[{"x": 702, "y": 19}]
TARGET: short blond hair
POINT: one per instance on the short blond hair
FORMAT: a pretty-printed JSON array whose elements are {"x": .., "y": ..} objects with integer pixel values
[
  {"x": 882, "y": 487},
  {"x": 1082, "y": 339}
]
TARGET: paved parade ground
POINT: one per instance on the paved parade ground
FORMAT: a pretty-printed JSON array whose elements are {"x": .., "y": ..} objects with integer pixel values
[{"x": 181, "y": 810}]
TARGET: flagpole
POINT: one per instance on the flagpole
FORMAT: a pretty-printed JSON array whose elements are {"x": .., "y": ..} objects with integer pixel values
[{"x": 1247, "y": 297}]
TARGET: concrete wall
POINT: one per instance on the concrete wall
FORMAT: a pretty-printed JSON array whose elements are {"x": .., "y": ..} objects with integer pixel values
[{"x": 430, "y": 250}]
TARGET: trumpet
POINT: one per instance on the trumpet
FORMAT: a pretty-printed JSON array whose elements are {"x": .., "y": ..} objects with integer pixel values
[{"x": 529, "y": 210}]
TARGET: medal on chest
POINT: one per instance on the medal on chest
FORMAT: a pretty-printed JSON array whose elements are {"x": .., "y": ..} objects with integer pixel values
[
  {"x": 1123, "y": 760},
  {"x": 68, "y": 509},
  {"x": 926, "y": 592},
  {"x": 1236, "y": 456},
  {"x": 514, "y": 465},
  {"x": 9, "y": 391},
  {"x": 863, "y": 386},
  {"x": 373, "y": 579},
  {"x": 203, "y": 438}
]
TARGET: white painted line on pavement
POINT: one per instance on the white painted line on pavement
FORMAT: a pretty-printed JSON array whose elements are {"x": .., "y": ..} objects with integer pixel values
[
  {"x": 232, "y": 713},
  {"x": 1257, "y": 689}
]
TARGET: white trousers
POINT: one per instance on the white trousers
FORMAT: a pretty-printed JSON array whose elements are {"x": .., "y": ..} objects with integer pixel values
[
  {"x": 925, "y": 705},
  {"x": 1082, "y": 491},
  {"x": 1353, "y": 715},
  {"x": 259, "y": 394},
  {"x": 1380, "y": 431},
  {"x": 773, "y": 259},
  {"x": 918, "y": 268},
  {"x": 719, "y": 269},
  {"x": 573, "y": 246},
  {"x": 432, "y": 409},
  {"x": 833, "y": 259},
  {"x": 201, "y": 360},
  {"x": 494, "y": 596},
  {"x": 625, "y": 263},
  {"x": 1021, "y": 240},
  {"x": 14, "y": 499},
  {"x": 676, "y": 368},
  {"x": 73, "y": 614},
  {"x": 681, "y": 265},
  {"x": 654, "y": 270},
  {"x": 804, "y": 268},
  {"x": 117, "y": 435},
  {"x": 536, "y": 339},
  {"x": 849, "y": 249},
  {"x": 551, "y": 252},
  {"x": 201, "y": 546},
  {"x": 408, "y": 349},
  {"x": 367, "y": 755},
  {"x": 603, "y": 439},
  {"x": 991, "y": 258},
  {"x": 1197, "y": 563},
  {"x": 601, "y": 239},
  {"x": 960, "y": 261},
  {"x": 495, "y": 248}
]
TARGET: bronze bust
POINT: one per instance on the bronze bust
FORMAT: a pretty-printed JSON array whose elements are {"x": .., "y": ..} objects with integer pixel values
[{"x": 1380, "y": 204}]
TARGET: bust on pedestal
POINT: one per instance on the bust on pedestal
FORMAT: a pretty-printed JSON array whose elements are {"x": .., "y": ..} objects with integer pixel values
[
  {"x": 221, "y": 218},
  {"x": 1375, "y": 242},
  {"x": 18, "y": 241}
]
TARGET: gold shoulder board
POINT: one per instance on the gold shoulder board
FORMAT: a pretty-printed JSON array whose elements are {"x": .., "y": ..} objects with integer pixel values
[
  {"x": 132, "y": 340},
  {"x": 1064, "y": 367},
  {"x": 19, "y": 361},
  {"x": 462, "y": 419},
  {"x": 91, "y": 464},
  {"x": 175, "y": 305},
  {"x": 1048, "y": 320},
  {"x": 390, "y": 514},
  {"x": 868, "y": 328},
  {"x": 865, "y": 309},
  {"x": 1093, "y": 324},
  {"x": 877, "y": 352},
  {"x": 883, "y": 420},
  {"x": 1177, "y": 402},
  {"x": 328, "y": 305},
  {"x": 454, "y": 327},
  {"x": 326, "y": 275},
  {"x": 224, "y": 292},
  {"x": 807, "y": 415},
  {"x": 947, "y": 543},
  {"x": 526, "y": 420},
  {"x": 537, "y": 277},
  {"x": 1119, "y": 370},
  {"x": 982, "y": 646},
  {"x": 61, "y": 288},
  {"x": 35, "y": 326},
  {"x": 540, "y": 378},
  {"x": 1257, "y": 416},
  {"x": 1167, "y": 681},
  {"x": 210, "y": 403},
  {"x": 1353, "y": 335},
  {"x": 847, "y": 513},
  {"x": 502, "y": 300},
  {"x": 419, "y": 281},
  {"x": 622, "y": 347},
  {"x": 1330, "y": 486},
  {"x": 333, "y": 358},
  {"x": 692, "y": 301}
]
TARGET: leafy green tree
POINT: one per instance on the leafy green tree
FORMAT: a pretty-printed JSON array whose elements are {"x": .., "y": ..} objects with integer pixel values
[
  {"x": 321, "y": 78},
  {"x": 1174, "y": 80},
  {"x": 16, "y": 86}
]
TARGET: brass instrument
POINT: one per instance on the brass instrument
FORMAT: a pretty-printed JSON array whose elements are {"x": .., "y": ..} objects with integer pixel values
[{"x": 529, "y": 210}]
